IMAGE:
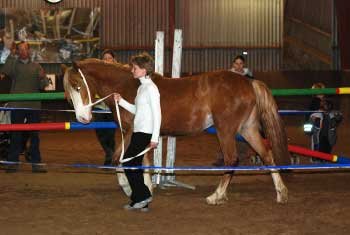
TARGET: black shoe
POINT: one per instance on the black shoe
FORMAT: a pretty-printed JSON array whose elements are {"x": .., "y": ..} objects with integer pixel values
[
  {"x": 219, "y": 162},
  {"x": 129, "y": 207},
  {"x": 27, "y": 156},
  {"x": 107, "y": 163},
  {"x": 132, "y": 207},
  {"x": 38, "y": 169},
  {"x": 317, "y": 160},
  {"x": 11, "y": 168},
  {"x": 145, "y": 209}
]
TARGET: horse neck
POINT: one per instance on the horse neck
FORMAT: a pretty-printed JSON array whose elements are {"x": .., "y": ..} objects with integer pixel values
[{"x": 107, "y": 80}]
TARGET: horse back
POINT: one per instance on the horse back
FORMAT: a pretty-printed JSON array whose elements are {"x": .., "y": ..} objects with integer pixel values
[{"x": 188, "y": 103}]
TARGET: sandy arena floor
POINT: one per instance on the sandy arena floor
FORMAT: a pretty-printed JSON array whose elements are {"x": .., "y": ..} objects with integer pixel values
[{"x": 82, "y": 201}]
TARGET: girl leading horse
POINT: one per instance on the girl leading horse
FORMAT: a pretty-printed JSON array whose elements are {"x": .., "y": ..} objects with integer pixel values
[{"x": 189, "y": 105}]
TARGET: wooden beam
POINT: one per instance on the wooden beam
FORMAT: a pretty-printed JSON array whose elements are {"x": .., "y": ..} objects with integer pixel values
[
  {"x": 309, "y": 26},
  {"x": 309, "y": 50}
]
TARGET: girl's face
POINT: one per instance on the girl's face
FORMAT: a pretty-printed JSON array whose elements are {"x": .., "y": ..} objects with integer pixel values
[
  {"x": 108, "y": 58},
  {"x": 137, "y": 71},
  {"x": 238, "y": 65}
]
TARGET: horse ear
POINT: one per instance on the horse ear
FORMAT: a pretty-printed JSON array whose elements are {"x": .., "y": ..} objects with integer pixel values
[
  {"x": 75, "y": 65},
  {"x": 64, "y": 68}
]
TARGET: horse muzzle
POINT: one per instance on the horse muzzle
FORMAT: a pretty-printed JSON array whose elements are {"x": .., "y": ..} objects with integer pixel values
[{"x": 83, "y": 114}]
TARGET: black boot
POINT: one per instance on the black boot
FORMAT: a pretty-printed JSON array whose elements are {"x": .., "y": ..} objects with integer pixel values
[{"x": 219, "y": 162}]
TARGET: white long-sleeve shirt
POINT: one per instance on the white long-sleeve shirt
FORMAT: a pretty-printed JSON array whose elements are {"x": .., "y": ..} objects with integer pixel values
[
  {"x": 246, "y": 72},
  {"x": 146, "y": 109},
  {"x": 4, "y": 54}
]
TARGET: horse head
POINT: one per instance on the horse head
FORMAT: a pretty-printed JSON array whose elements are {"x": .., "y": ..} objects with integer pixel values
[
  {"x": 78, "y": 92},
  {"x": 91, "y": 77}
]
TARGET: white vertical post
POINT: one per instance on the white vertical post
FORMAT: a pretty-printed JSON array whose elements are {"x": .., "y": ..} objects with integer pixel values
[
  {"x": 159, "y": 53},
  {"x": 159, "y": 68},
  {"x": 176, "y": 72}
]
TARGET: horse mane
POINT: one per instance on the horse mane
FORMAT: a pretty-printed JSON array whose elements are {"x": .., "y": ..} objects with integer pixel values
[
  {"x": 109, "y": 68},
  {"x": 94, "y": 61},
  {"x": 116, "y": 65}
]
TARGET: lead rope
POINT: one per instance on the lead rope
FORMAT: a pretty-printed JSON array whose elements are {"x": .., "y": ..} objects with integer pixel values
[{"x": 121, "y": 160}]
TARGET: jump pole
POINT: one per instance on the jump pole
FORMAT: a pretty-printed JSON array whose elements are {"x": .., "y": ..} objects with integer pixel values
[
  {"x": 171, "y": 144},
  {"x": 169, "y": 178},
  {"x": 175, "y": 73},
  {"x": 65, "y": 126},
  {"x": 275, "y": 92},
  {"x": 159, "y": 68}
]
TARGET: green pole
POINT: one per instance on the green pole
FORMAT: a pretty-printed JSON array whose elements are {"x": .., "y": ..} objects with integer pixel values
[
  {"x": 275, "y": 92},
  {"x": 289, "y": 92},
  {"x": 32, "y": 96}
]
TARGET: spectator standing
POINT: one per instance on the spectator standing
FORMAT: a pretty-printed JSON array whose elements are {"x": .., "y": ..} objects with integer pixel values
[
  {"x": 26, "y": 77},
  {"x": 106, "y": 137}
]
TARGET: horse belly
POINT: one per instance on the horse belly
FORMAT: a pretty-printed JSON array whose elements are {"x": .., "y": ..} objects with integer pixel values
[{"x": 186, "y": 124}]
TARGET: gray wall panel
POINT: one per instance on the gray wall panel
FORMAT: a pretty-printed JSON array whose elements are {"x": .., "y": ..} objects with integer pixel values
[{"x": 214, "y": 31}]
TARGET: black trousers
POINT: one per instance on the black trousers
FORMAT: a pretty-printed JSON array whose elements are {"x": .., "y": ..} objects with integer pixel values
[
  {"x": 18, "y": 138},
  {"x": 139, "y": 141},
  {"x": 324, "y": 145},
  {"x": 106, "y": 137}
]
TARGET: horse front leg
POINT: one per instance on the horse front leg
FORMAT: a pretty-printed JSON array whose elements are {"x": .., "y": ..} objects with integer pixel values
[
  {"x": 122, "y": 179},
  {"x": 228, "y": 147},
  {"x": 147, "y": 175},
  {"x": 219, "y": 196}
]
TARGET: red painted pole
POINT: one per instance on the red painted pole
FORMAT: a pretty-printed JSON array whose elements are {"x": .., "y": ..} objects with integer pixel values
[
  {"x": 33, "y": 126},
  {"x": 311, "y": 153}
]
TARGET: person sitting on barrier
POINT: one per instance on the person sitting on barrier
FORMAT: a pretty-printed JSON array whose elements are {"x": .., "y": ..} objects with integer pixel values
[
  {"x": 106, "y": 137},
  {"x": 238, "y": 66},
  {"x": 27, "y": 77},
  {"x": 315, "y": 105},
  {"x": 324, "y": 124},
  {"x": 146, "y": 128},
  {"x": 317, "y": 99}
]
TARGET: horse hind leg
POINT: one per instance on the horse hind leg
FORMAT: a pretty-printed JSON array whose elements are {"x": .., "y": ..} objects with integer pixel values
[
  {"x": 228, "y": 147},
  {"x": 252, "y": 136}
]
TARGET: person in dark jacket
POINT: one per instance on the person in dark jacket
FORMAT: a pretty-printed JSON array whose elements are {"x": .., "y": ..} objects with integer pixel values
[
  {"x": 315, "y": 118},
  {"x": 26, "y": 77},
  {"x": 106, "y": 137},
  {"x": 324, "y": 134}
]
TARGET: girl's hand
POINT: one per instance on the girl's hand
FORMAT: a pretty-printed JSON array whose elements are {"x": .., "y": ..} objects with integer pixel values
[
  {"x": 117, "y": 97},
  {"x": 153, "y": 145}
]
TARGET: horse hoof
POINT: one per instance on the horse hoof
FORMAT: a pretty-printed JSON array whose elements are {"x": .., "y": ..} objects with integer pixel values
[
  {"x": 124, "y": 184},
  {"x": 282, "y": 196},
  {"x": 214, "y": 199}
]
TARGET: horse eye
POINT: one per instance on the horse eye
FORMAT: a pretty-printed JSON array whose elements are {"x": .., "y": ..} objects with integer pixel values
[{"x": 78, "y": 89}]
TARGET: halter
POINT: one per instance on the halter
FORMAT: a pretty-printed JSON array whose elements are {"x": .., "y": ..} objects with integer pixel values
[{"x": 121, "y": 160}]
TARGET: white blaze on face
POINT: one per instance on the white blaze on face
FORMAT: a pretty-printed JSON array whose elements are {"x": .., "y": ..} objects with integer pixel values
[{"x": 82, "y": 111}]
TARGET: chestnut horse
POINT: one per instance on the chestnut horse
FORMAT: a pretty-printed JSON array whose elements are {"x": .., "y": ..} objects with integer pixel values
[{"x": 231, "y": 102}]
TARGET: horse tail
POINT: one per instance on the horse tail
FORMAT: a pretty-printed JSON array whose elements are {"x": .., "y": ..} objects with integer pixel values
[{"x": 271, "y": 122}]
